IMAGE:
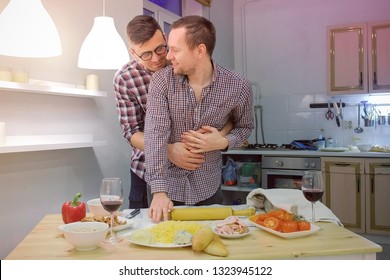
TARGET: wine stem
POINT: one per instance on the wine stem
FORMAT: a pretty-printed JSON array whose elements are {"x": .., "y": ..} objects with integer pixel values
[
  {"x": 112, "y": 217},
  {"x": 312, "y": 211}
]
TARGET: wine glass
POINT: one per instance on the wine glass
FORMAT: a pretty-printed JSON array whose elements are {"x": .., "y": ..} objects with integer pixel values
[
  {"x": 312, "y": 187},
  {"x": 111, "y": 197}
]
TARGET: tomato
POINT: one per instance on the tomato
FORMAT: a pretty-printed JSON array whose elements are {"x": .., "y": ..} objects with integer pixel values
[
  {"x": 287, "y": 217},
  {"x": 282, "y": 215},
  {"x": 259, "y": 217},
  {"x": 303, "y": 225},
  {"x": 273, "y": 223},
  {"x": 290, "y": 226},
  {"x": 261, "y": 223},
  {"x": 276, "y": 213}
]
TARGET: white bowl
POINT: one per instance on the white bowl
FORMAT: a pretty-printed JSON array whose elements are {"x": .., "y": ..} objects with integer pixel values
[
  {"x": 85, "y": 236},
  {"x": 364, "y": 147},
  {"x": 96, "y": 208}
]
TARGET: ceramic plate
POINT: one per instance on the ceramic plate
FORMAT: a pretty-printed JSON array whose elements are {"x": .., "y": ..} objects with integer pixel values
[
  {"x": 155, "y": 244},
  {"x": 290, "y": 235},
  {"x": 231, "y": 236},
  {"x": 129, "y": 224}
]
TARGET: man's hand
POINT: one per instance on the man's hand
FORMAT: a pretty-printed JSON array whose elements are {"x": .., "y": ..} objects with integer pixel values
[
  {"x": 179, "y": 155},
  {"x": 206, "y": 139},
  {"x": 160, "y": 207}
]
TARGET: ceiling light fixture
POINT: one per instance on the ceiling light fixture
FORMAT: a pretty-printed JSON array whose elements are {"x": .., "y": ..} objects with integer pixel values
[
  {"x": 27, "y": 30},
  {"x": 103, "y": 48}
]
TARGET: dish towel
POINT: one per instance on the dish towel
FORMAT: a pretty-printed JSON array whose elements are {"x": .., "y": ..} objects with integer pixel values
[{"x": 291, "y": 200}]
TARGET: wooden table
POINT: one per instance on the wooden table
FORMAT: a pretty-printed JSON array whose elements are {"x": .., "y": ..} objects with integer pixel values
[{"x": 333, "y": 242}]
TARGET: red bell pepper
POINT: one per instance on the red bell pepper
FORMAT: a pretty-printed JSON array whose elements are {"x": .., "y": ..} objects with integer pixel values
[{"x": 73, "y": 211}]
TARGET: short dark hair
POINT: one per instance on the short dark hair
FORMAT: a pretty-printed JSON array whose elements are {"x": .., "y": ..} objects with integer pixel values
[
  {"x": 141, "y": 28},
  {"x": 199, "y": 31}
]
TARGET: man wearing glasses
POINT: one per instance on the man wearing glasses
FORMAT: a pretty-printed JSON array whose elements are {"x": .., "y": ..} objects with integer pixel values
[{"x": 148, "y": 48}]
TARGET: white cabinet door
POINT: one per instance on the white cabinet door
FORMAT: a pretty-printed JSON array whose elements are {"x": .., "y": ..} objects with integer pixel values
[
  {"x": 345, "y": 191},
  {"x": 378, "y": 195},
  {"x": 359, "y": 58},
  {"x": 379, "y": 57},
  {"x": 347, "y": 59}
]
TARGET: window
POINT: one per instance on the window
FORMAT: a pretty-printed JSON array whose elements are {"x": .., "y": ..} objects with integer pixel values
[{"x": 164, "y": 17}]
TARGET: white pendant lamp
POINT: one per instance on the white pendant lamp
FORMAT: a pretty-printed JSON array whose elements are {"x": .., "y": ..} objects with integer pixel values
[
  {"x": 103, "y": 48},
  {"x": 27, "y": 30}
]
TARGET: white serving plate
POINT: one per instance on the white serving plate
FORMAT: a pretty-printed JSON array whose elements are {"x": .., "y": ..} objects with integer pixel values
[
  {"x": 231, "y": 236},
  {"x": 156, "y": 244},
  {"x": 129, "y": 224},
  {"x": 290, "y": 235}
]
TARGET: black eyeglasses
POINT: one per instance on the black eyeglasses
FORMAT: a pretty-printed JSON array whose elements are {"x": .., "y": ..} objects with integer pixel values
[{"x": 148, "y": 55}]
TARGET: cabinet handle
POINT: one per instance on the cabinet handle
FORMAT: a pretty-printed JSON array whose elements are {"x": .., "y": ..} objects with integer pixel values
[
  {"x": 361, "y": 79},
  {"x": 358, "y": 182},
  {"x": 342, "y": 164},
  {"x": 372, "y": 184},
  {"x": 375, "y": 82}
]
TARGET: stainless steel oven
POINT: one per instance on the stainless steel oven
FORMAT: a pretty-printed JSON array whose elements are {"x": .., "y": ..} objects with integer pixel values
[{"x": 286, "y": 172}]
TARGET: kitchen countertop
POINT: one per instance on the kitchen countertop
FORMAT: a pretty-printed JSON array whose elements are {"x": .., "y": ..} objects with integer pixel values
[
  {"x": 45, "y": 242},
  {"x": 304, "y": 153}
]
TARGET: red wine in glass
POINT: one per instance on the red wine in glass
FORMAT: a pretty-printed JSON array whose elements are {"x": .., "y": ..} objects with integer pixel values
[
  {"x": 313, "y": 195},
  {"x": 312, "y": 187},
  {"x": 111, "y": 198},
  {"x": 112, "y": 206}
]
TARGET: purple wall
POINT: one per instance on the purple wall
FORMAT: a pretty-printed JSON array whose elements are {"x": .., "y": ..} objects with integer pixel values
[{"x": 171, "y": 5}]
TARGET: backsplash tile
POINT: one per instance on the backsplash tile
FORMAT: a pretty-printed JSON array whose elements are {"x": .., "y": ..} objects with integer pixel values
[
  {"x": 301, "y": 120},
  {"x": 277, "y": 103},
  {"x": 289, "y": 117}
]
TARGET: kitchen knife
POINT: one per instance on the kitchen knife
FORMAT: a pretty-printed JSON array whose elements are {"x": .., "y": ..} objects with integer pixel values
[
  {"x": 337, "y": 113},
  {"x": 208, "y": 213},
  {"x": 341, "y": 110}
]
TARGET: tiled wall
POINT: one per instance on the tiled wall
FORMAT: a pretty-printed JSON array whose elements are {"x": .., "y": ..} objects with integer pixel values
[{"x": 289, "y": 117}]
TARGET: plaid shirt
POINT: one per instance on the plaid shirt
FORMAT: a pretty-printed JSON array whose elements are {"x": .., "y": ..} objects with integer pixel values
[
  {"x": 173, "y": 109},
  {"x": 131, "y": 87}
]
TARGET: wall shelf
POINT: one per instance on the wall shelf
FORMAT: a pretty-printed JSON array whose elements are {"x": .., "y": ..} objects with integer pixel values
[
  {"x": 30, "y": 143},
  {"x": 50, "y": 88}
]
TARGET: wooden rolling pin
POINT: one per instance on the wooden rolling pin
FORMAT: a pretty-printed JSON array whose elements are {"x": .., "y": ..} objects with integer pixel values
[{"x": 208, "y": 213}]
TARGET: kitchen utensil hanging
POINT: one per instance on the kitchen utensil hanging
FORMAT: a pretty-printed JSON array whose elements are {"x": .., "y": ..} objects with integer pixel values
[
  {"x": 341, "y": 110},
  {"x": 337, "y": 113},
  {"x": 358, "y": 129},
  {"x": 329, "y": 115}
]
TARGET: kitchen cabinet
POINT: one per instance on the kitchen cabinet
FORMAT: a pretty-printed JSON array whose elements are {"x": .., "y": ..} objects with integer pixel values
[
  {"x": 28, "y": 143},
  {"x": 379, "y": 57},
  {"x": 358, "y": 192},
  {"x": 378, "y": 195},
  {"x": 358, "y": 58},
  {"x": 347, "y": 59},
  {"x": 345, "y": 190}
]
